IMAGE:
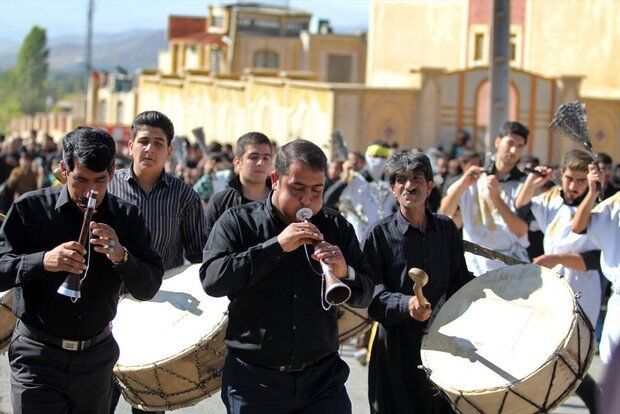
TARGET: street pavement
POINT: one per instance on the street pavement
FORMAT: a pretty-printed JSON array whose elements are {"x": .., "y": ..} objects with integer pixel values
[{"x": 356, "y": 386}]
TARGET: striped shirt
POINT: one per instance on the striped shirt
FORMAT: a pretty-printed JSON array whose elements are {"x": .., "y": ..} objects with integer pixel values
[{"x": 172, "y": 212}]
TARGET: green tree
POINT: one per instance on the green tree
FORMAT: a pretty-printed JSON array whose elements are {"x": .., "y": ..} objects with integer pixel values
[
  {"x": 31, "y": 71},
  {"x": 9, "y": 105}
]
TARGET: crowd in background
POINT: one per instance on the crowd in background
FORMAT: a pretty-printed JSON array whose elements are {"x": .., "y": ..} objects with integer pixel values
[{"x": 28, "y": 163}]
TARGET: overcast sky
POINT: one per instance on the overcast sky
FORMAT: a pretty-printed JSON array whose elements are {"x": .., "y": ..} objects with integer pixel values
[{"x": 68, "y": 17}]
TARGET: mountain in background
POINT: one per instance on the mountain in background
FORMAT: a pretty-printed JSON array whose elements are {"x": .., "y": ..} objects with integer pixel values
[{"x": 132, "y": 50}]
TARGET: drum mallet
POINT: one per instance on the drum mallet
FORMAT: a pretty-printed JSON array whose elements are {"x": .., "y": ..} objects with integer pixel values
[{"x": 420, "y": 279}]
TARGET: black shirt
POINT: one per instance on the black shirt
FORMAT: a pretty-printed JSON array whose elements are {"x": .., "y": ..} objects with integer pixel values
[
  {"x": 392, "y": 247},
  {"x": 43, "y": 219},
  {"x": 223, "y": 200},
  {"x": 275, "y": 312}
]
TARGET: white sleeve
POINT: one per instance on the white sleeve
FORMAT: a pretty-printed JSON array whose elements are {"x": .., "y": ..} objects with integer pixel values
[{"x": 540, "y": 210}]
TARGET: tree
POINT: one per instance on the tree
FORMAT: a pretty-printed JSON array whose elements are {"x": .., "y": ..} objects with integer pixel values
[
  {"x": 31, "y": 71},
  {"x": 9, "y": 105}
]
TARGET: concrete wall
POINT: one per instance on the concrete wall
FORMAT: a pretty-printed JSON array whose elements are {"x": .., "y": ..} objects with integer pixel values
[
  {"x": 407, "y": 34},
  {"x": 576, "y": 37}
]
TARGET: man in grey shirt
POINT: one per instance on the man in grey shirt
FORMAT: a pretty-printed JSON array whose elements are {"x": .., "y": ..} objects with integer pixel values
[{"x": 170, "y": 207}]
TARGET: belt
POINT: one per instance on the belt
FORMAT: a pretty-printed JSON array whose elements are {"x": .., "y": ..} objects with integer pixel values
[
  {"x": 66, "y": 344},
  {"x": 297, "y": 367}
]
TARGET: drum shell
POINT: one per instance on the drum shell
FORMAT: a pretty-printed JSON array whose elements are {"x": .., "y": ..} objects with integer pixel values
[
  {"x": 548, "y": 381},
  {"x": 7, "y": 320}
]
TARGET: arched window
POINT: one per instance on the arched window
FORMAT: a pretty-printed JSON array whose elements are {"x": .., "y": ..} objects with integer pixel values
[{"x": 266, "y": 59}]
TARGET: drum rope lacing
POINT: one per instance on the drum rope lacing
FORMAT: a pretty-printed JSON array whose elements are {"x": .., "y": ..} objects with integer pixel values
[
  {"x": 578, "y": 374},
  {"x": 148, "y": 390}
]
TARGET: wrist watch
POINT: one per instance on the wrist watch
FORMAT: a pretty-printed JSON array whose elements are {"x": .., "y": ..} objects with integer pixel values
[{"x": 124, "y": 259}]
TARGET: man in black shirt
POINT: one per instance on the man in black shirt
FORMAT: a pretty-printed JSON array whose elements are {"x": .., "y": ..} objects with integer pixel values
[
  {"x": 411, "y": 237},
  {"x": 282, "y": 342},
  {"x": 252, "y": 161},
  {"x": 62, "y": 352}
]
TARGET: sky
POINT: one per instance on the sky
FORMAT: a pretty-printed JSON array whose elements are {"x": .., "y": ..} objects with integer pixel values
[{"x": 68, "y": 17}]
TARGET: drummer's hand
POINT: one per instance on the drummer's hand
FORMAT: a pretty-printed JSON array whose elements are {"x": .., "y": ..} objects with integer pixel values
[
  {"x": 418, "y": 312},
  {"x": 296, "y": 234},
  {"x": 332, "y": 255},
  {"x": 547, "y": 260},
  {"x": 107, "y": 242},
  {"x": 66, "y": 257}
]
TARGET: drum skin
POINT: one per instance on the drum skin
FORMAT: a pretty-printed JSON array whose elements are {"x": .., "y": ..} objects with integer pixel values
[
  {"x": 512, "y": 340},
  {"x": 172, "y": 347},
  {"x": 7, "y": 320}
]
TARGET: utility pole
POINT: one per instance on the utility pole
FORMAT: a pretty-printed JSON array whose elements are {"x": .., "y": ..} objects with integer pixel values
[
  {"x": 88, "y": 59},
  {"x": 499, "y": 72}
]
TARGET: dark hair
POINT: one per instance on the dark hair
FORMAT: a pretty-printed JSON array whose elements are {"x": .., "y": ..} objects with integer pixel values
[
  {"x": 406, "y": 163},
  {"x": 251, "y": 138},
  {"x": 153, "y": 119},
  {"x": 515, "y": 128},
  {"x": 576, "y": 160},
  {"x": 603, "y": 158},
  {"x": 300, "y": 151},
  {"x": 93, "y": 147},
  {"x": 467, "y": 155}
]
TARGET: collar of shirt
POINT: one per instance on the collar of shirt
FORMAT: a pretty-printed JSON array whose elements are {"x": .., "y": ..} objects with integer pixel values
[
  {"x": 403, "y": 224},
  {"x": 128, "y": 175},
  {"x": 64, "y": 203},
  {"x": 514, "y": 174},
  {"x": 235, "y": 183}
]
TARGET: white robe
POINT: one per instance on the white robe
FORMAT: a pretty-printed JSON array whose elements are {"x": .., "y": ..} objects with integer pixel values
[
  {"x": 364, "y": 203},
  {"x": 556, "y": 222},
  {"x": 604, "y": 232},
  {"x": 483, "y": 225}
]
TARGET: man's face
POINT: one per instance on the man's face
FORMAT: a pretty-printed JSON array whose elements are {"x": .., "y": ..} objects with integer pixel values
[
  {"x": 81, "y": 180},
  {"x": 411, "y": 190},
  {"x": 442, "y": 166},
  {"x": 149, "y": 149},
  {"x": 509, "y": 148},
  {"x": 255, "y": 163},
  {"x": 301, "y": 187},
  {"x": 574, "y": 183},
  {"x": 356, "y": 161}
]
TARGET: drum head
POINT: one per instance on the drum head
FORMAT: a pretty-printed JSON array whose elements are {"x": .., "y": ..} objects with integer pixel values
[
  {"x": 499, "y": 329},
  {"x": 177, "y": 319}
]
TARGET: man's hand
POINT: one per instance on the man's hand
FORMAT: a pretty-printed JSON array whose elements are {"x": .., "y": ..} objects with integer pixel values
[
  {"x": 332, "y": 255},
  {"x": 66, "y": 257},
  {"x": 107, "y": 242},
  {"x": 470, "y": 176},
  {"x": 296, "y": 234},
  {"x": 594, "y": 176},
  {"x": 547, "y": 260},
  {"x": 493, "y": 188},
  {"x": 538, "y": 180},
  {"x": 418, "y": 312}
]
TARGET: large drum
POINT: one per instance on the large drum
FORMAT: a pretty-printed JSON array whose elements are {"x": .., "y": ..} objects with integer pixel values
[
  {"x": 513, "y": 340},
  {"x": 172, "y": 347},
  {"x": 7, "y": 320}
]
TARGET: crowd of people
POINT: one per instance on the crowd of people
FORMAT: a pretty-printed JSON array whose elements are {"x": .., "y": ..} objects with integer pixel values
[{"x": 370, "y": 218}]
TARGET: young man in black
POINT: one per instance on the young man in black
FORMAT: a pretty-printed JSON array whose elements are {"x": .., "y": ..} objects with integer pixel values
[
  {"x": 252, "y": 161},
  {"x": 62, "y": 352},
  {"x": 282, "y": 343}
]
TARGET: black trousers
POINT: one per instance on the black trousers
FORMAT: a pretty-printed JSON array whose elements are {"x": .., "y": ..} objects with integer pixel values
[
  {"x": 50, "y": 380},
  {"x": 115, "y": 395},
  {"x": 319, "y": 389}
]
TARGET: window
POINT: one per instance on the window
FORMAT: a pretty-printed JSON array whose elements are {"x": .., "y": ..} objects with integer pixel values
[
  {"x": 266, "y": 59},
  {"x": 339, "y": 68},
  {"x": 217, "y": 21},
  {"x": 513, "y": 47},
  {"x": 478, "y": 46}
]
